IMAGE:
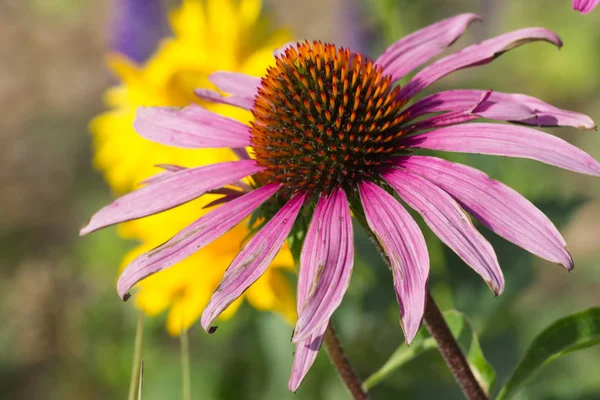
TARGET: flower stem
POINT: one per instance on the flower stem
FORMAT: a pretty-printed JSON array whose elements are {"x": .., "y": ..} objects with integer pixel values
[
  {"x": 137, "y": 357},
  {"x": 185, "y": 366},
  {"x": 451, "y": 352},
  {"x": 437, "y": 327},
  {"x": 342, "y": 365}
]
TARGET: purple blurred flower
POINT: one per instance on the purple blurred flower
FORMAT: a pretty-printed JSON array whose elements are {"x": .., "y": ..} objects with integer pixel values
[
  {"x": 585, "y": 6},
  {"x": 331, "y": 131},
  {"x": 137, "y": 26}
]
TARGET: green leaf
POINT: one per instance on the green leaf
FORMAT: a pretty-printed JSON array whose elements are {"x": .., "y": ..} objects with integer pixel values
[
  {"x": 469, "y": 342},
  {"x": 575, "y": 332},
  {"x": 401, "y": 356},
  {"x": 467, "y": 339}
]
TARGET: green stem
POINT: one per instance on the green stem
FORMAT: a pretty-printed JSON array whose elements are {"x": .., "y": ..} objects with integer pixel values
[
  {"x": 141, "y": 381},
  {"x": 342, "y": 365},
  {"x": 185, "y": 366},
  {"x": 137, "y": 357}
]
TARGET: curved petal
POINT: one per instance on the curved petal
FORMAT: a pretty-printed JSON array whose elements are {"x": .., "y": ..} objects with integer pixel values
[
  {"x": 190, "y": 127},
  {"x": 404, "y": 245},
  {"x": 507, "y": 140},
  {"x": 502, "y": 107},
  {"x": 585, "y": 6},
  {"x": 454, "y": 117},
  {"x": 244, "y": 103},
  {"x": 252, "y": 261},
  {"x": 235, "y": 83},
  {"x": 312, "y": 256},
  {"x": 450, "y": 223},
  {"x": 474, "y": 55},
  {"x": 495, "y": 205},
  {"x": 192, "y": 238},
  {"x": 412, "y": 51},
  {"x": 175, "y": 189},
  {"x": 333, "y": 275}
]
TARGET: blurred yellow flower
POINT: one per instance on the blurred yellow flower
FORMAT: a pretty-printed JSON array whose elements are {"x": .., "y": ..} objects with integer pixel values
[{"x": 208, "y": 36}]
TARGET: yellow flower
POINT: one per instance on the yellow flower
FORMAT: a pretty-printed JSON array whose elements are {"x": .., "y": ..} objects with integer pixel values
[{"x": 208, "y": 36}]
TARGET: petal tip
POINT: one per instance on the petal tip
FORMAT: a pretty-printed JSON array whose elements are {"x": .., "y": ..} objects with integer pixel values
[
  {"x": 293, "y": 385},
  {"x": 568, "y": 263},
  {"x": 84, "y": 230}
]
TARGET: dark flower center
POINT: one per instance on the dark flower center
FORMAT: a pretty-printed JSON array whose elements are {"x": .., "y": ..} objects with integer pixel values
[{"x": 324, "y": 117}]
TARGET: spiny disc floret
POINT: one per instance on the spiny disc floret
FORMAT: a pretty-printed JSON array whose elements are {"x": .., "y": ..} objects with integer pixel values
[{"x": 324, "y": 117}]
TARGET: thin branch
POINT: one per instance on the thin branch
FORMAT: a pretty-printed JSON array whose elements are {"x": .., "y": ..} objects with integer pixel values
[
  {"x": 342, "y": 365},
  {"x": 451, "y": 352}
]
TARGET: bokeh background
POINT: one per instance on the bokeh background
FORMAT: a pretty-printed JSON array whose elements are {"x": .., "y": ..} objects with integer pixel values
[{"x": 66, "y": 335}]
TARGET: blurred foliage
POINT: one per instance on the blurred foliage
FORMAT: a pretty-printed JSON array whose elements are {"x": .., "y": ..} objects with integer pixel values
[{"x": 67, "y": 336}]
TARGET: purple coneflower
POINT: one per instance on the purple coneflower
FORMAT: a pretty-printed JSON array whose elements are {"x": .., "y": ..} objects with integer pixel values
[
  {"x": 585, "y": 6},
  {"x": 332, "y": 132}
]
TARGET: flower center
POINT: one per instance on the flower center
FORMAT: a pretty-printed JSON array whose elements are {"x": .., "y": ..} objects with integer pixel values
[{"x": 324, "y": 117}]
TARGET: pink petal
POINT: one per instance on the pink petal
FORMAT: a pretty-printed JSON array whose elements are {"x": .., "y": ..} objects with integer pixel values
[
  {"x": 192, "y": 238},
  {"x": 190, "y": 127},
  {"x": 403, "y": 242},
  {"x": 312, "y": 257},
  {"x": 453, "y": 117},
  {"x": 332, "y": 278},
  {"x": 235, "y": 83},
  {"x": 585, "y": 6},
  {"x": 168, "y": 170},
  {"x": 495, "y": 205},
  {"x": 474, "y": 55},
  {"x": 502, "y": 107},
  {"x": 507, "y": 140},
  {"x": 417, "y": 48},
  {"x": 252, "y": 261},
  {"x": 450, "y": 223},
  {"x": 304, "y": 357},
  {"x": 233, "y": 100},
  {"x": 176, "y": 189}
]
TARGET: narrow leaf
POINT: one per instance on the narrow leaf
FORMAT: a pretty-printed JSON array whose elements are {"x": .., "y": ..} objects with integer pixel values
[{"x": 575, "y": 332}]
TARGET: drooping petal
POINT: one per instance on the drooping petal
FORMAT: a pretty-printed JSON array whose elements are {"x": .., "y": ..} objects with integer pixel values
[
  {"x": 474, "y": 55},
  {"x": 190, "y": 127},
  {"x": 405, "y": 246},
  {"x": 450, "y": 223},
  {"x": 177, "y": 188},
  {"x": 507, "y": 140},
  {"x": 502, "y": 107},
  {"x": 495, "y": 205},
  {"x": 419, "y": 47},
  {"x": 304, "y": 357},
  {"x": 333, "y": 272},
  {"x": 192, "y": 238},
  {"x": 312, "y": 256},
  {"x": 244, "y": 103},
  {"x": 585, "y": 6},
  {"x": 235, "y": 83},
  {"x": 253, "y": 260}
]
